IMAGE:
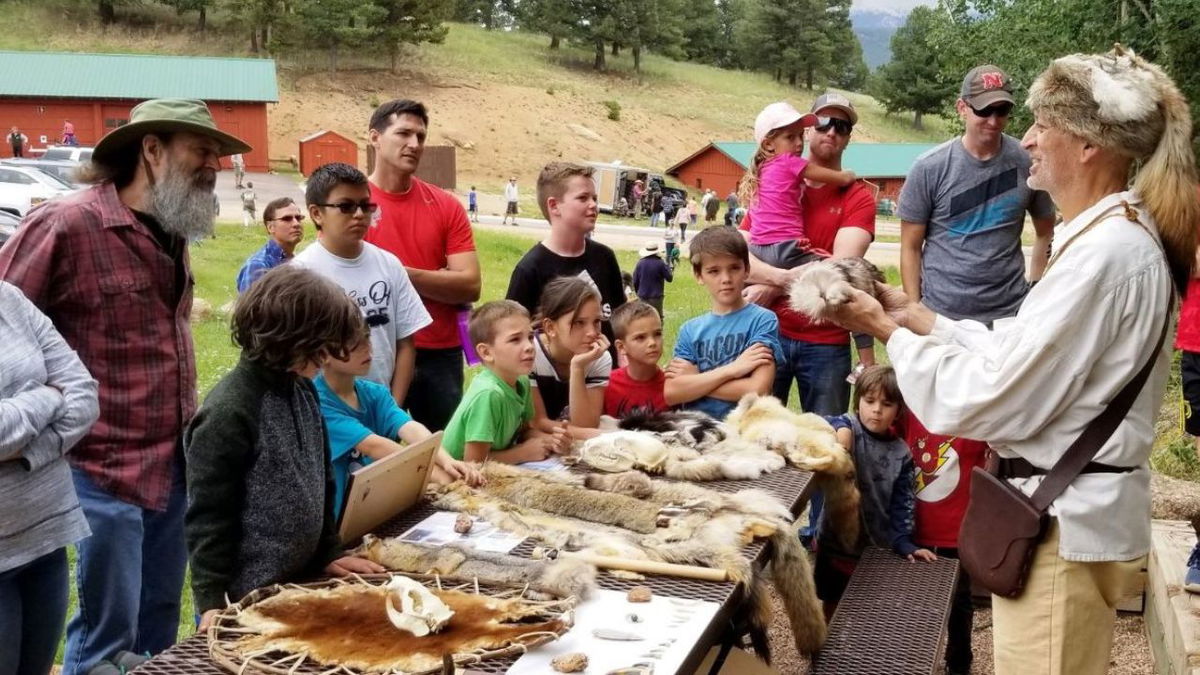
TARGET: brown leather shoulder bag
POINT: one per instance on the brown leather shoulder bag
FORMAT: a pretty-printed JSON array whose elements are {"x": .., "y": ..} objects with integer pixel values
[{"x": 1002, "y": 527}]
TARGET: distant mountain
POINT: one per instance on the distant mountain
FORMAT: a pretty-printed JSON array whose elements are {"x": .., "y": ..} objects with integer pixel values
[{"x": 874, "y": 30}]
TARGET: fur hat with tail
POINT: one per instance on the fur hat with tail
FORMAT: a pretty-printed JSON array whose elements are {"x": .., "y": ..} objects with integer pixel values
[{"x": 1121, "y": 102}]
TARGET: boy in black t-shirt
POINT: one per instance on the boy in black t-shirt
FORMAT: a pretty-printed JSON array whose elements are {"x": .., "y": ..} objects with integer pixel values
[{"x": 567, "y": 197}]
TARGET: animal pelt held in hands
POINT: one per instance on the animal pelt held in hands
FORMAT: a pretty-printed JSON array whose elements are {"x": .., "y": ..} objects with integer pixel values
[
  {"x": 824, "y": 285},
  {"x": 560, "y": 578}
]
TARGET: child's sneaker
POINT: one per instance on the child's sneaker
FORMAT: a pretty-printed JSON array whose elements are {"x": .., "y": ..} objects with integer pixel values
[{"x": 1191, "y": 581}]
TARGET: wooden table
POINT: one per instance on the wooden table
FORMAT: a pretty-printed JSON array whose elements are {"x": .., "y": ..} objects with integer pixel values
[{"x": 791, "y": 486}]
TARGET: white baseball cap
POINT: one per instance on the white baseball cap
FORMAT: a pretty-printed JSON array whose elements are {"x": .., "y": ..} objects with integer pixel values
[{"x": 778, "y": 115}]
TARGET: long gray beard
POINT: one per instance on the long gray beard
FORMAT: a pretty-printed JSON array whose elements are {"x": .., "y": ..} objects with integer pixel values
[{"x": 184, "y": 206}]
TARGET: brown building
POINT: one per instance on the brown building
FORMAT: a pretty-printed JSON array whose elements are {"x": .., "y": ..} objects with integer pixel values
[
  {"x": 720, "y": 165},
  {"x": 42, "y": 90}
]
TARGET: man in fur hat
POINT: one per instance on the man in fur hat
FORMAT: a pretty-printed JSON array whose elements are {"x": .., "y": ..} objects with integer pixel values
[
  {"x": 109, "y": 265},
  {"x": 1033, "y": 382}
]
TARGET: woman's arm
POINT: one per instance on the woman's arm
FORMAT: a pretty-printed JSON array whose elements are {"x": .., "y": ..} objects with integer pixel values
[
  {"x": 80, "y": 392},
  {"x": 25, "y": 416}
]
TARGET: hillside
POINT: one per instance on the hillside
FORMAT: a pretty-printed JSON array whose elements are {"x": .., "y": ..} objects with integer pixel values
[{"x": 507, "y": 101}]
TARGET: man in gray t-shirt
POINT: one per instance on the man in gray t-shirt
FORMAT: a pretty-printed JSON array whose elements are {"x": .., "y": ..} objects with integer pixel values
[{"x": 962, "y": 210}]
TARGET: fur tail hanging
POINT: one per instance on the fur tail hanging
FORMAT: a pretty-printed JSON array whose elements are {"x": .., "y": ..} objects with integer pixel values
[{"x": 793, "y": 579}]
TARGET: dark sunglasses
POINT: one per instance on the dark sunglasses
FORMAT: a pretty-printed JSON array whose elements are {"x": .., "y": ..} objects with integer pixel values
[
  {"x": 348, "y": 208},
  {"x": 840, "y": 126},
  {"x": 290, "y": 219},
  {"x": 1003, "y": 110}
]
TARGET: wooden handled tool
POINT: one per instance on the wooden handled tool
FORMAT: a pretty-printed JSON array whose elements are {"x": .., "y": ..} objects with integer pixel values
[{"x": 647, "y": 566}]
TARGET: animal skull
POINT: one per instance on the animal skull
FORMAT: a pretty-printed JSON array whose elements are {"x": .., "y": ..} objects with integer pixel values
[
  {"x": 421, "y": 612},
  {"x": 624, "y": 450}
]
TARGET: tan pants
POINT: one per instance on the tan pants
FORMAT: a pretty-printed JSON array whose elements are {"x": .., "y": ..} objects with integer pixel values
[{"x": 1062, "y": 623}]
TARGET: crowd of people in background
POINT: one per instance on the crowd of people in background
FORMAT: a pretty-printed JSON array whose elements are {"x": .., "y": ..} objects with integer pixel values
[{"x": 102, "y": 433}]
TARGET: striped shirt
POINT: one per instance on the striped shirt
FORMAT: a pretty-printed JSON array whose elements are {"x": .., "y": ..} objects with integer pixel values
[
  {"x": 121, "y": 300},
  {"x": 47, "y": 403}
]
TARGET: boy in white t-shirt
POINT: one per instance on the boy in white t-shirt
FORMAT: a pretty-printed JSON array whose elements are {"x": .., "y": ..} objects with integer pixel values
[{"x": 339, "y": 203}]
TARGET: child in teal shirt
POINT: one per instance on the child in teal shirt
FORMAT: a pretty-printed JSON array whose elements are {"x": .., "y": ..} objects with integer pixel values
[
  {"x": 498, "y": 406},
  {"x": 364, "y": 423}
]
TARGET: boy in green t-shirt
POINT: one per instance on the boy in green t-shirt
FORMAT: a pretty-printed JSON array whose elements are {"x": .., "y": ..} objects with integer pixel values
[{"x": 498, "y": 406}]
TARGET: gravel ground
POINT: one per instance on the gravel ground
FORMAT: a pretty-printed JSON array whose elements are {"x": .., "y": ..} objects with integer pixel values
[{"x": 1130, "y": 653}]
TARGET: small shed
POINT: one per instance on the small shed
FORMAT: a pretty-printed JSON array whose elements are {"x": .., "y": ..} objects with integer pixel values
[
  {"x": 325, "y": 147},
  {"x": 720, "y": 165},
  {"x": 439, "y": 165}
]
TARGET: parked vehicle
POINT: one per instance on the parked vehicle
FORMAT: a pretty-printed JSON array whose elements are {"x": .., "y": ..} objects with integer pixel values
[
  {"x": 614, "y": 181},
  {"x": 8, "y": 226},
  {"x": 74, "y": 153},
  {"x": 23, "y": 187},
  {"x": 63, "y": 169}
]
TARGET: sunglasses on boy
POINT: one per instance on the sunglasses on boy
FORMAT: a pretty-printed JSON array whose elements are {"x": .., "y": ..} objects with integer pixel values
[
  {"x": 1001, "y": 109},
  {"x": 348, "y": 208},
  {"x": 840, "y": 127},
  {"x": 290, "y": 219}
]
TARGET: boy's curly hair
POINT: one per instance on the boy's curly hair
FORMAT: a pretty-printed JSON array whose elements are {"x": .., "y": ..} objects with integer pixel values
[{"x": 291, "y": 317}]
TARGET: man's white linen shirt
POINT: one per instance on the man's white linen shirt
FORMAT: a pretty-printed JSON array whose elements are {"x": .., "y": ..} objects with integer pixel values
[
  {"x": 510, "y": 192},
  {"x": 1031, "y": 385}
]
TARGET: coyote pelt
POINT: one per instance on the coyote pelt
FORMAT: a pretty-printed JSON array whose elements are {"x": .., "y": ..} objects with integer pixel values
[
  {"x": 560, "y": 578},
  {"x": 697, "y": 526},
  {"x": 727, "y": 459},
  {"x": 805, "y": 439},
  {"x": 824, "y": 285},
  {"x": 808, "y": 442},
  {"x": 793, "y": 579}
]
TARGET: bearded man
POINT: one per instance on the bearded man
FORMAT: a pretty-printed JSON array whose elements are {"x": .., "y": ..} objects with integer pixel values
[{"x": 109, "y": 265}]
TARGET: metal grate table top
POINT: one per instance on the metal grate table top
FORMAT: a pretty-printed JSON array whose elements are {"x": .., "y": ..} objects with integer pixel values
[
  {"x": 892, "y": 617},
  {"x": 789, "y": 485}
]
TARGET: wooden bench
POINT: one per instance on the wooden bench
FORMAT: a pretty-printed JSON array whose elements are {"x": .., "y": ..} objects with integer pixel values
[
  {"x": 1172, "y": 614},
  {"x": 892, "y": 618}
]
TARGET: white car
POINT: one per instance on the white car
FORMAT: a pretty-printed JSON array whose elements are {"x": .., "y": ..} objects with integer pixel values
[
  {"x": 22, "y": 188},
  {"x": 73, "y": 153}
]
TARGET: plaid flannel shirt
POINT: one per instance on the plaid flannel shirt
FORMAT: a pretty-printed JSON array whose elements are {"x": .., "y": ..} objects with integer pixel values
[{"x": 109, "y": 287}]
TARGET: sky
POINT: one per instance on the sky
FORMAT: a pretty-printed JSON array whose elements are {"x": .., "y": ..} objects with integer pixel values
[{"x": 893, "y": 6}]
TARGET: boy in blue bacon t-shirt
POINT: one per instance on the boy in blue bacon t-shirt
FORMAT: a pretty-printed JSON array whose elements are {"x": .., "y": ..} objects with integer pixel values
[{"x": 732, "y": 350}]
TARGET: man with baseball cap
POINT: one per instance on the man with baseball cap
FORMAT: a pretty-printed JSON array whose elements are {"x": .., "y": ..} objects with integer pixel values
[
  {"x": 109, "y": 265},
  {"x": 1032, "y": 383},
  {"x": 839, "y": 220},
  {"x": 962, "y": 211}
]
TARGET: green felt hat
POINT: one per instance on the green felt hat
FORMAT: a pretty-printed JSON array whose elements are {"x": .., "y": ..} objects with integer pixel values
[{"x": 166, "y": 115}]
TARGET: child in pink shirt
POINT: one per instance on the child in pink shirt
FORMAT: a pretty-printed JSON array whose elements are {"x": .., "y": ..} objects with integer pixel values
[{"x": 774, "y": 184}]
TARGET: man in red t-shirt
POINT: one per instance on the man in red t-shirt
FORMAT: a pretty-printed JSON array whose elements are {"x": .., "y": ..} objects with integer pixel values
[
  {"x": 839, "y": 220},
  {"x": 427, "y": 229}
]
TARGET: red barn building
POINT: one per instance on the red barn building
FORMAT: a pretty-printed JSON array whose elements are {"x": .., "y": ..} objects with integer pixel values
[
  {"x": 41, "y": 90},
  {"x": 720, "y": 165}
]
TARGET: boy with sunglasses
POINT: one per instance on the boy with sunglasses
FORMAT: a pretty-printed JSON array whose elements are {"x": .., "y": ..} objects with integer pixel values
[
  {"x": 285, "y": 229},
  {"x": 962, "y": 210},
  {"x": 339, "y": 203}
]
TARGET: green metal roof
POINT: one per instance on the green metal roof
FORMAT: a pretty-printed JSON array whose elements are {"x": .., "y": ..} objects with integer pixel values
[
  {"x": 869, "y": 160},
  {"x": 136, "y": 76}
]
